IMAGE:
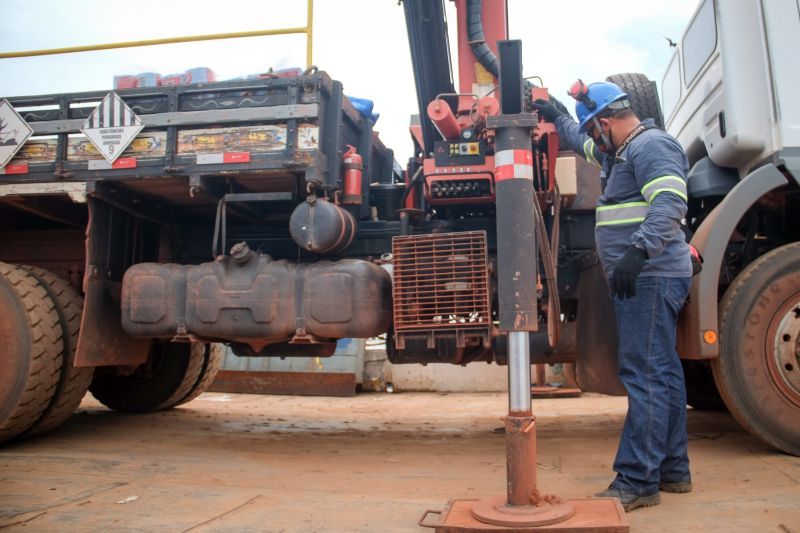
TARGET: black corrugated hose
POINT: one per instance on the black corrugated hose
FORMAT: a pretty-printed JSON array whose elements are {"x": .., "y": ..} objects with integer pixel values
[{"x": 484, "y": 54}]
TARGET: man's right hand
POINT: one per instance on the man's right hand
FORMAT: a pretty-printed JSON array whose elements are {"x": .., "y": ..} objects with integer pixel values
[
  {"x": 547, "y": 110},
  {"x": 623, "y": 279}
]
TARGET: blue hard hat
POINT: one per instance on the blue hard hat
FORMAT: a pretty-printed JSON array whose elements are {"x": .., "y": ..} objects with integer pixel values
[{"x": 594, "y": 99}]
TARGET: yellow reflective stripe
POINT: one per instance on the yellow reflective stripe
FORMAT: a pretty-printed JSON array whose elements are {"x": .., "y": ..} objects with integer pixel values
[
  {"x": 674, "y": 184},
  {"x": 621, "y": 221},
  {"x": 588, "y": 151},
  {"x": 627, "y": 213},
  {"x": 659, "y": 180},
  {"x": 676, "y": 191},
  {"x": 622, "y": 206}
]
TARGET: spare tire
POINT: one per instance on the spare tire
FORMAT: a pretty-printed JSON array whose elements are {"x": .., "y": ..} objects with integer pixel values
[{"x": 643, "y": 94}]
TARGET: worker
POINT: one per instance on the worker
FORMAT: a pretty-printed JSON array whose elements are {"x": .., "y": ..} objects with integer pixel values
[{"x": 647, "y": 260}]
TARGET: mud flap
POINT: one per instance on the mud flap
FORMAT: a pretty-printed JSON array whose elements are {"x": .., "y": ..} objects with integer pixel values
[
  {"x": 596, "y": 335},
  {"x": 102, "y": 340}
]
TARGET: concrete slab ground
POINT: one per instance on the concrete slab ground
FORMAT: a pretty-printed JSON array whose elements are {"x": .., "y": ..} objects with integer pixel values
[{"x": 242, "y": 463}]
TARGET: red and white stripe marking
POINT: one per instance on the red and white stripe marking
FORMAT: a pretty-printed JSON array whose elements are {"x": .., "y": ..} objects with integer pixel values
[
  {"x": 223, "y": 158},
  {"x": 510, "y": 164},
  {"x": 102, "y": 164}
]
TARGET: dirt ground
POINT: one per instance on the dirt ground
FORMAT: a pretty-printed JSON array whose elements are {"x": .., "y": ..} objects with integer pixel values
[{"x": 376, "y": 462}]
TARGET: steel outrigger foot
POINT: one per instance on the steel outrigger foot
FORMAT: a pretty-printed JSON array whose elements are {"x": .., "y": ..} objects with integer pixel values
[
  {"x": 524, "y": 508},
  {"x": 599, "y": 515}
]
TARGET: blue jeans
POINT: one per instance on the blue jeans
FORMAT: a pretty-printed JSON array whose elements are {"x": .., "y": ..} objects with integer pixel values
[{"x": 653, "y": 446}]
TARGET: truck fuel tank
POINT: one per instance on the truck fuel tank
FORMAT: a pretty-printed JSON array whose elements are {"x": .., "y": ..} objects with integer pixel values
[{"x": 253, "y": 300}]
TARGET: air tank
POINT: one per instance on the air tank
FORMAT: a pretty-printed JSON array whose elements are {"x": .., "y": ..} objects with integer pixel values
[{"x": 320, "y": 226}]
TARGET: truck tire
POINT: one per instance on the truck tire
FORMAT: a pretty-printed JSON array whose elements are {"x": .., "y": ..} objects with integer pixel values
[
  {"x": 758, "y": 370},
  {"x": 643, "y": 94},
  {"x": 213, "y": 354},
  {"x": 204, "y": 364},
  {"x": 169, "y": 375},
  {"x": 30, "y": 351},
  {"x": 74, "y": 382}
]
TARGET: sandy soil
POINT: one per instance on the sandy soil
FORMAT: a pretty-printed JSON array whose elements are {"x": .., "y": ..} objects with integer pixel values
[{"x": 376, "y": 462}]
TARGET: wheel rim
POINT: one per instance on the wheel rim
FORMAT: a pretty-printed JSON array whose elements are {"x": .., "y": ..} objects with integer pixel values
[{"x": 783, "y": 357}]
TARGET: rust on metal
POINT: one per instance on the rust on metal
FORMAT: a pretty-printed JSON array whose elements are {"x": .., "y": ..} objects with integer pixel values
[
  {"x": 537, "y": 499},
  {"x": 783, "y": 337},
  {"x": 256, "y": 301},
  {"x": 520, "y": 459},
  {"x": 596, "y": 340},
  {"x": 600, "y": 515},
  {"x": 441, "y": 281},
  {"x": 541, "y": 389},
  {"x": 102, "y": 340},
  {"x": 555, "y": 392},
  {"x": 62, "y": 252},
  {"x": 545, "y": 511},
  {"x": 289, "y": 383},
  {"x": 523, "y": 504},
  {"x": 520, "y": 120}
]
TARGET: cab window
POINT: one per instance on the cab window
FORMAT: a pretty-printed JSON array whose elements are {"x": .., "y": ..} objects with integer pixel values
[{"x": 699, "y": 41}]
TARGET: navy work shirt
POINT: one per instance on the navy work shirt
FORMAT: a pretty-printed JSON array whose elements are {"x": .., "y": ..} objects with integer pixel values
[{"x": 643, "y": 201}]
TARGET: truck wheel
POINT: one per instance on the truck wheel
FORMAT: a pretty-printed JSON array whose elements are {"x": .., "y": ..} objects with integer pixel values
[
  {"x": 74, "y": 382},
  {"x": 170, "y": 373},
  {"x": 204, "y": 364},
  {"x": 643, "y": 94},
  {"x": 758, "y": 370},
  {"x": 213, "y": 354},
  {"x": 30, "y": 351}
]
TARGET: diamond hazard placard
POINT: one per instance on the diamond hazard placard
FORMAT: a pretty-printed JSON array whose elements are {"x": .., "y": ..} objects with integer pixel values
[
  {"x": 112, "y": 126},
  {"x": 14, "y": 131}
]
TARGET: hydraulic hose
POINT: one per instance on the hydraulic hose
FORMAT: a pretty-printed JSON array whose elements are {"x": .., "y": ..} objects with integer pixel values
[
  {"x": 412, "y": 184},
  {"x": 484, "y": 54},
  {"x": 550, "y": 262},
  {"x": 477, "y": 40}
]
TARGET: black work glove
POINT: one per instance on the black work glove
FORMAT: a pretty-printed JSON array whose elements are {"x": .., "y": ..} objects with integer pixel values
[
  {"x": 547, "y": 110},
  {"x": 623, "y": 281}
]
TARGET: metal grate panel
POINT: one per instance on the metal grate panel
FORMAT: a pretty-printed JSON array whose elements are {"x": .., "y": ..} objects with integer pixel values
[{"x": 441, "y": 281}]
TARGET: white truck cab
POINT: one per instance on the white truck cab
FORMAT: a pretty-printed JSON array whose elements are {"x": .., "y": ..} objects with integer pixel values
[
  {"x": 730, "y": 91},
  {"x": 730, "y": 97}
]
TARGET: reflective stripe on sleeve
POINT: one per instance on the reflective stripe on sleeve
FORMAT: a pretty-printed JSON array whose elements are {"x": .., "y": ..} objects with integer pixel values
[
  {"x": 588, "y": 151},
  {"x": 627, "y": 213},
  {"x": 673, "y": 184}
]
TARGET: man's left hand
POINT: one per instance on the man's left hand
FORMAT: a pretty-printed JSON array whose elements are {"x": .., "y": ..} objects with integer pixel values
[
  {"x": 547, "y": 110},
  {"x": 623, "y": 280}
]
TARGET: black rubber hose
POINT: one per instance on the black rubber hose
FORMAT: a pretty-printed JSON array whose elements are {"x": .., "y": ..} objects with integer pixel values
[
  {"x": 412, "y": 184},
  {"x": 484, "y": 54},
  {"x": 477, "y": 40}
]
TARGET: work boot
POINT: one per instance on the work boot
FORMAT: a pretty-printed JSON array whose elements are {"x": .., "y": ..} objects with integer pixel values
[
  {"x": 629, "y": 500},
  {"x": 677, "y": 487}
]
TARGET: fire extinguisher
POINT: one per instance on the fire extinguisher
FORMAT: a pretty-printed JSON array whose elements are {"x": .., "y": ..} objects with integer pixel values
[{"x": 353, "y": 167}]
